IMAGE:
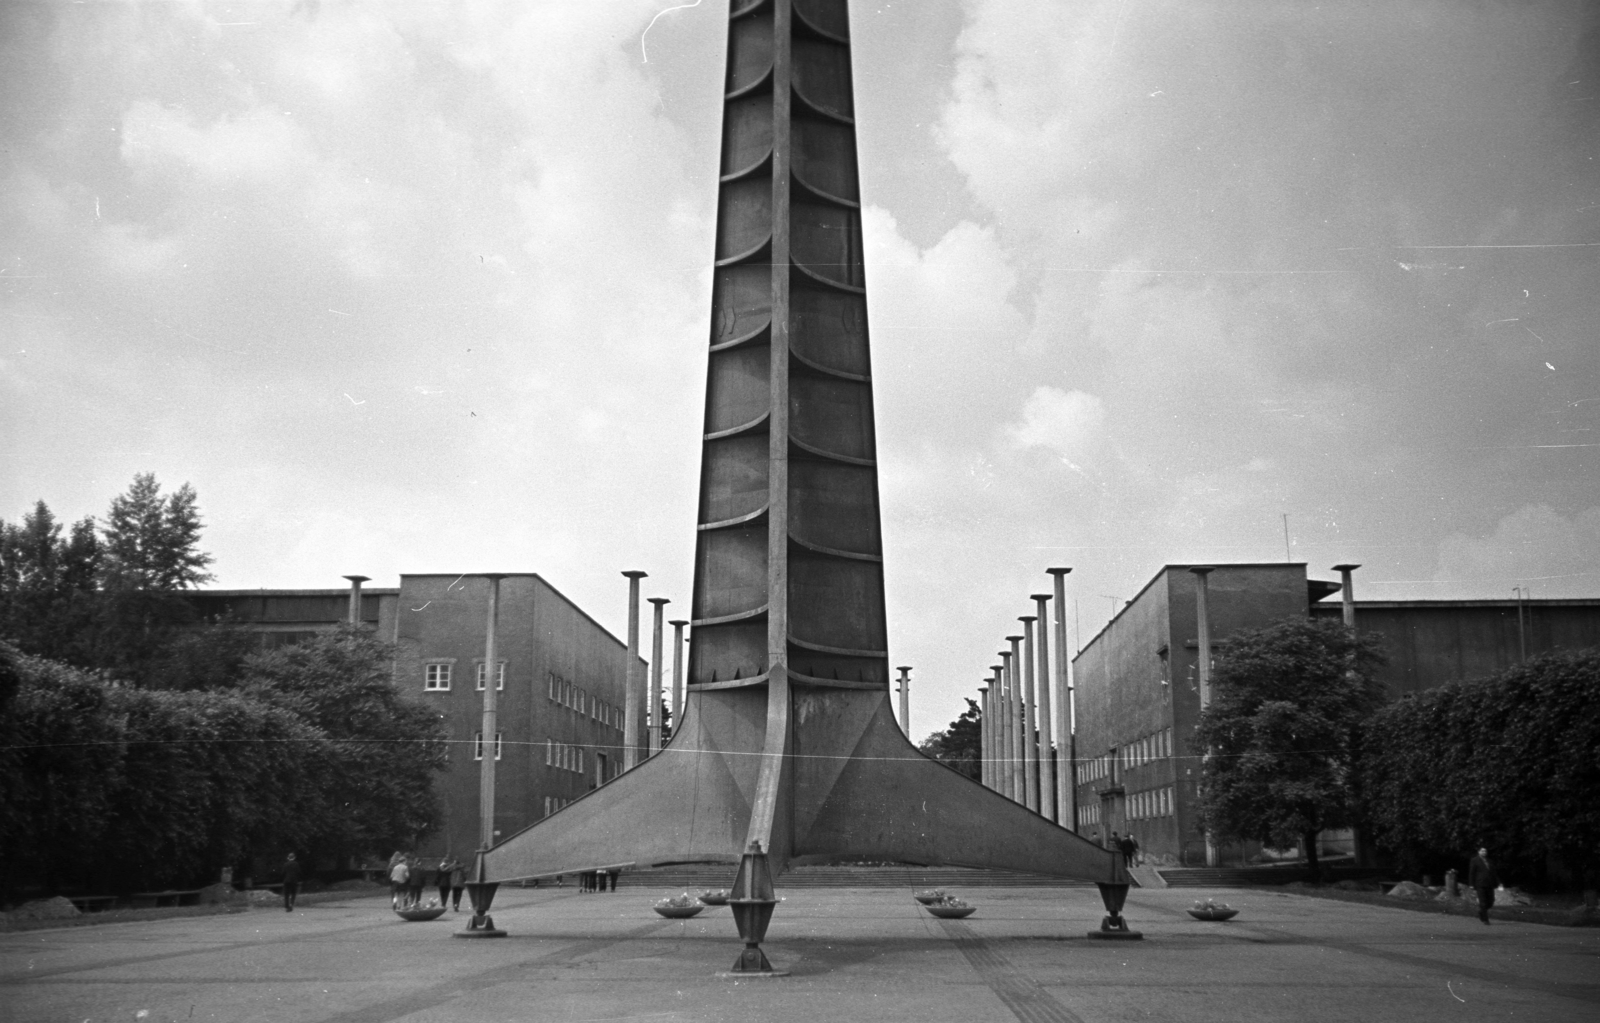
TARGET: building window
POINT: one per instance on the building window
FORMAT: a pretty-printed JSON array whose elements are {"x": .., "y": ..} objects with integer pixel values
[
  {"x": 500, "y": 676},
  {"x": 436, "y": 676},
  {"x": 477, "y": 745}
]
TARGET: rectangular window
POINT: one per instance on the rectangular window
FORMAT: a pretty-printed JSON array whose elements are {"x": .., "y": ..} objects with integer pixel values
[
  {"x": 579, "y": 768},
  {"x": 477, "y": 745},
  {"x": 500, "y": 676},
  {"x": 552, "y": 680},
  {"x": 549, "y": 751},
  {"x": 436, "y": 676}
]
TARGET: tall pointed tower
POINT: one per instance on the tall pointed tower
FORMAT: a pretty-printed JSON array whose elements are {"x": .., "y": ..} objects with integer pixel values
[
  {"x": 789, "y": 565},
  {"x": 788, "y": 738}
]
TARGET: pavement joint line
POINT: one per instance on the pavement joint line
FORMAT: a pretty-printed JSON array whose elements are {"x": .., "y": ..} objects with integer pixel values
[
  {"x": 26, "y": 976},
  {"x": 1579, "y": 992},
  {"x": 459, "y": 984},
  {"x": 1026, "y": 999}
]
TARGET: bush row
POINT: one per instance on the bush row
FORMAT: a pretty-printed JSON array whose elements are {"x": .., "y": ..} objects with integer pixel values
[{"x": 1512, "y": 762}]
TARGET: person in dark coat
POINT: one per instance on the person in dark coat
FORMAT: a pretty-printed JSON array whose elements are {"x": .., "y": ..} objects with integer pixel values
[
  {"x": 458, "y": 877},
  {"x": 1482, "y": 877},
  {"x": 444, "y": 881},
  {"x": 291, "y": 882},
  {"x": 418, "y": 880}
]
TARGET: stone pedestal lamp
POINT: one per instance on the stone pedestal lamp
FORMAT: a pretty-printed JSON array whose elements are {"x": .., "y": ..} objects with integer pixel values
[{"x": 752, "y": 902}]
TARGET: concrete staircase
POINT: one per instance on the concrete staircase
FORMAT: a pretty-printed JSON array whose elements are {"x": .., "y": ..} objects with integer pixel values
[
  {"x": 1147, "y": 877},
  {"x": 696, "y": 877}
]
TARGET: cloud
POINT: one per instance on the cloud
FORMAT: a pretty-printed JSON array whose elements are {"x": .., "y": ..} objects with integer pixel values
[
  {"x": 1067, "y": 422},
  {"x": 1535, "y": 547}
]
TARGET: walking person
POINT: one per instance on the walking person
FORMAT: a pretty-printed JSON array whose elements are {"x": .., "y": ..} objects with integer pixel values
[
  {"x": 418, "y": 879},
  {"x": 399, "y": 881},
  {"x": 1482, "y": 876},
  {"x": 458, "y": 877},
  {"x": 1126, "y": 845},
  {"x": 445, "y": 866},
  {"x": 291, "y": 883}
]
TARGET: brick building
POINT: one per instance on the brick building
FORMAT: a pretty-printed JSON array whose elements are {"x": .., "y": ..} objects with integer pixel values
[
  {"x": 561, "y": 676},
  {"x": 1138, "y": 693}
]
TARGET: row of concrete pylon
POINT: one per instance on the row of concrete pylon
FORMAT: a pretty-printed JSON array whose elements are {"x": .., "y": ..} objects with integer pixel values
[
  {"x": 642, "y": 710},
  {"x": 1027, "y": 709}
]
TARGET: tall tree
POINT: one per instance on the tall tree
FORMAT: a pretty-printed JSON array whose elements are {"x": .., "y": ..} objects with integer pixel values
[
  {"x": 961, "y": 745},
  {"x": 150, "y": 554},
  {"x": 48, "y": 584},
  {"x": 385, "y": 748},
  {"x": 1512, "y": 762},
  {"x": 1282, "y": 733}
]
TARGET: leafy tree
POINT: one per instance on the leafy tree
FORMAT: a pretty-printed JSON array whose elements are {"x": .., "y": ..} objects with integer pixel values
[
  {"x": 48, "y": 584},
  {"x": 108, "y": 787},
  {"x": 1511, "y": 761},
  {"x": 150, "y": 554},
  {"x": 1283, "y": 732},
  {"x": 385, "y": 748},
  {"x": 961, "y": 745}
]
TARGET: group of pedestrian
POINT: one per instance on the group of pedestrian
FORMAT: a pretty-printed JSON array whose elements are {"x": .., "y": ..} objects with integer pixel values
[
  {"x": 596, "y": 880},
  {"x": 409, "y": 875}
]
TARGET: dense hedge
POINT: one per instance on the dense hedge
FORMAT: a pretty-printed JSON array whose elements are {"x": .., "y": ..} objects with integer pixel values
[
  {"x": 107, "y": 787},
  {"x": 1512, "y": 761}
]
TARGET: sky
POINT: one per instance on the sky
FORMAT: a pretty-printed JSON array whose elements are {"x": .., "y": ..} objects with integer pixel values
[{"x": 425, "y": 287}]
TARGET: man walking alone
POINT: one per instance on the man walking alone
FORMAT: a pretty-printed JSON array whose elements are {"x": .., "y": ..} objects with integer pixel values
[
  {"x": 291, "y": 882},
  {"x": 1482, "y": 877}
]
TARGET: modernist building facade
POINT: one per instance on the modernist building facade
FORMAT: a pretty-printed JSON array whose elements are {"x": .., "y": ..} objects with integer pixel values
[
  {"x": 561, "y": 684},
  {"x": 1138, "y": 684}
]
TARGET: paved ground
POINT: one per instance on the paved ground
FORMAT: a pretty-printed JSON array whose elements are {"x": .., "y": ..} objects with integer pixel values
[{"x": 855, "y": 955}]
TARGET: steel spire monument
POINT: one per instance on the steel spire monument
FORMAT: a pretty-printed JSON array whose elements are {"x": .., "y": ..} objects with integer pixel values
[{"x": 788, "y": 740}]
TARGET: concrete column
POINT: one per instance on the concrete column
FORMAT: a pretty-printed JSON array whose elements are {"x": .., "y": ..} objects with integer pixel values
[
  {"x": 635, "y": 681},
  {"x": 491, "y": 657},
  {"x": 1049, "y": 764},
  {"x": 1067, "y": 777},
  {"x": 1347, "y": 593},
  {"x": 1202, "y": 614},
  {"x": 355, "y": 598},
  {"x": 1030, "y": 712},
  {"x": 1202, "y": 611},
  {"x": 983, "y": 736},
  {"x": 657, "y": 640},
  {"x": 1019, "y": 756},
  {"x": 997, "y": 740},
  {"x": 677, "y": 674},
  {"x": 905, "y": 699},
  {"x": 1007, "y": 733}
]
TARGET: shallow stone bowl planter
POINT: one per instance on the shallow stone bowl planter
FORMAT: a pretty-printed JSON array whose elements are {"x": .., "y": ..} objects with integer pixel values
[
  {"x": 678, "y": 912},
  {"x": 950, "y": 912},
  {"x": 1214, "y": 914},
  {"x": 928, "y": 898},
  {"x": 715, "y": 898},
  {"x": 421, "y": 913}
]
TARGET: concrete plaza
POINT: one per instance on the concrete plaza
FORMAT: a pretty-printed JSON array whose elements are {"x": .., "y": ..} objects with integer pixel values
[{"x": 856, "y": 954}]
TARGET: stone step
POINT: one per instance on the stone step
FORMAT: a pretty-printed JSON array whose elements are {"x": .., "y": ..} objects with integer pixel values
[{"x": 691, "y": 877}]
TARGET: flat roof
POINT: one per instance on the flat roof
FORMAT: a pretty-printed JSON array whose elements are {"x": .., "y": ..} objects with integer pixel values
[
  {"x": 1445, "y": 604},
  {"x": 366, "y": 591}
]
